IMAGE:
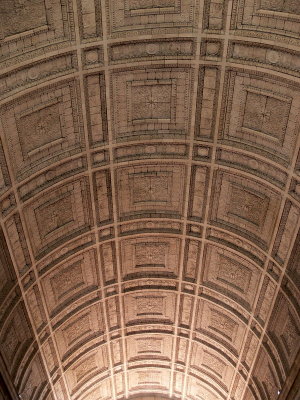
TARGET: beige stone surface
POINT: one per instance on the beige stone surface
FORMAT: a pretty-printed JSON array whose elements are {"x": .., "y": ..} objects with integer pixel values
[{"x": 149, "y": 199}]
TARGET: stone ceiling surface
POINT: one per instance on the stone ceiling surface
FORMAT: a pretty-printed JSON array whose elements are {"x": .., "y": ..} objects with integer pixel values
[{"x": 150, "y": 199}]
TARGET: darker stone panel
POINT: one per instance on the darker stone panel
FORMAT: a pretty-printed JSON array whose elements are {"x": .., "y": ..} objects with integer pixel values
[{"x": 293, "y": 268}]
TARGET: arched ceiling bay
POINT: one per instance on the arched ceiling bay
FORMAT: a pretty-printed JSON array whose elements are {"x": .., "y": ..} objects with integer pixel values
[{"x": 149, "y": 201}]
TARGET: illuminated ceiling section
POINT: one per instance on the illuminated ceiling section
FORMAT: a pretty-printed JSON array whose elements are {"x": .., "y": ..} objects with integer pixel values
[{"x": 149, "y": 199}]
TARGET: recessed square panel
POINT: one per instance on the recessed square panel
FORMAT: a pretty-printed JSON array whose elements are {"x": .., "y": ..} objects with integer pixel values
[
  {"x": 42, "y": 128},
  {"x": 50, "y": 219},
  {"x": 231, "y": 275},
  {"x": 150, "y": 346},
  {"x": 70, "y": 281},
  {"x": 148, "y": 256},
  {"x": 245, "y": 205},
  {"x": 151, "y": 188},
  {"x": 86, "y": 368},
  {"x": 151, "y": 104},
  {"x": 261, "y": 115},
  {"x": 244, "y": 202},
  {"x": 216, "y": 322},
  {"x": 209, "y": 361},
  {"x": 86, "y": 325},
  {"x": 44, "y": 124},
  {"x": 149, "y": 306},
  {"x": 222, "y": 324},
  {"x": 56, "y": 216},
  {"x": 266, "y": 114}
]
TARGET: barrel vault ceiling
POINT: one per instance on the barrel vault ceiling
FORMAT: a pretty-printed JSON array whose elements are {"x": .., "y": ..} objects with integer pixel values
[{"x": 150, "y": 199}]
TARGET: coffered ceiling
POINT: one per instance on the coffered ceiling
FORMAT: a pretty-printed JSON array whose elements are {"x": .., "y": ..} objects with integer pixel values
[{"x": 149, "y": 199}]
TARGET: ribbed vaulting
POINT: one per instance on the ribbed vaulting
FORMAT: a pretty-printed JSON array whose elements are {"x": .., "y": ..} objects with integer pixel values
[{"x": 149, "y": 199}]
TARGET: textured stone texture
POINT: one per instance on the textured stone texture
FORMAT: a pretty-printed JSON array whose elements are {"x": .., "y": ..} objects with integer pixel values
[{"x": 149, "y": 199}]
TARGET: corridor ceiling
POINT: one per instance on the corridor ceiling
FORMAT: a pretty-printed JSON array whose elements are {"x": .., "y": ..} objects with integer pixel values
[{"x": 149, "y": 199}]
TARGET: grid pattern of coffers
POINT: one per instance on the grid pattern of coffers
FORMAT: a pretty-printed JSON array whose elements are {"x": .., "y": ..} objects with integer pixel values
[{"x": 149, "y": 198}]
